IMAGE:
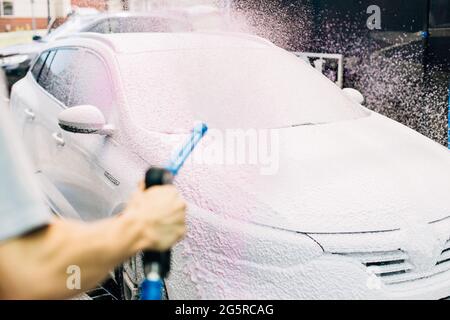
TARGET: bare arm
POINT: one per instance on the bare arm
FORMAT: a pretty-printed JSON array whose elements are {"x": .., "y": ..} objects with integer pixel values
[{"x": 35, "y": 266}]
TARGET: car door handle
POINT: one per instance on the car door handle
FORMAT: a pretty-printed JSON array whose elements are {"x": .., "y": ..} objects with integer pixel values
[
  {"x": 59, "y": 139},
  {"x": 30, "y": 114}
]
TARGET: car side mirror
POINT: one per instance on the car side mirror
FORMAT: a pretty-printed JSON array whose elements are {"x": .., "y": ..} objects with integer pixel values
[
  {"x": 37, "y": 37},
  {"x": 354, "y": 95},
  {"x": 85, "y": 120}
]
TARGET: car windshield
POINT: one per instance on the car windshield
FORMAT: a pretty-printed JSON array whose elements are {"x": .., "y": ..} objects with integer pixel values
[
  {"x": 72, "y": 25},
  {"x": 244, "y": 88}
]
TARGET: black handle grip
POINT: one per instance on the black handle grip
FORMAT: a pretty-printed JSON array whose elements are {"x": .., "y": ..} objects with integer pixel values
[{"x": 157, "y": 177}]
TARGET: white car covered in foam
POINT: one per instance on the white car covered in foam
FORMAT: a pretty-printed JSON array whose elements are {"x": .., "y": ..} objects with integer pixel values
[{"x": 354, "y": 205}]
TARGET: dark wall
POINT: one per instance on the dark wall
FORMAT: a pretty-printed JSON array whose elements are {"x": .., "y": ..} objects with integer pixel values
[
  {"x": 341, "y": 22},
  {"x": 397, "y": 15}
]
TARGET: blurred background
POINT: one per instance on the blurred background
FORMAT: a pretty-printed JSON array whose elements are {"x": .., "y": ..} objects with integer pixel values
[{"x": 21, "y": 19}]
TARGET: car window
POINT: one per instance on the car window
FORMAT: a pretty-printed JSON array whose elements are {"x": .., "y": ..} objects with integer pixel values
[
  {"x": 440, "y": 13},
  {"x": 93, "y": 85},
  {"x": 36, "y": 71},
  {"x": 43, "y": 77},
  {"x": 58, "y": 73},
  {"x": 104, "y": 26}
]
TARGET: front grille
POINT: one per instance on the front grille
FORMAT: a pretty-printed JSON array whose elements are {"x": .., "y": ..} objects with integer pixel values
[{"x": 393, "y": 267}]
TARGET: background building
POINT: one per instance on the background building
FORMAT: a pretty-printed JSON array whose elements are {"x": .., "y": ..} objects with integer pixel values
[
  {"x": 145, "y": 5},
  {"x": 18, "y": 15},
  {"x": 34, "y": 14}
]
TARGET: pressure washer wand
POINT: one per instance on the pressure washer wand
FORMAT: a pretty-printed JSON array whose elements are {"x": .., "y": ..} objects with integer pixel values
[{"x": 157, "y": 264}]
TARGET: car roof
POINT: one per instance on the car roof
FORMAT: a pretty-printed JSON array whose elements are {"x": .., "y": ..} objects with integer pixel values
[{"x": 161, "y": 41}]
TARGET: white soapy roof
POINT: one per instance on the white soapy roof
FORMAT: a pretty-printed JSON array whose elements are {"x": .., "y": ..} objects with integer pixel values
[{"x": 145, "y": 42}]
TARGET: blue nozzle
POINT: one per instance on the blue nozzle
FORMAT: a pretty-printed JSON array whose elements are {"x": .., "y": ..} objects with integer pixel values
[
  {"x": 202, "y": 128},
  {"x": 181, "y": 156},
  {"x": 151, "y": 289}
]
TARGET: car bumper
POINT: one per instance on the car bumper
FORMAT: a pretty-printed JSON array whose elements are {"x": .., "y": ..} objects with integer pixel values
[{"x": 226, "y": 259}]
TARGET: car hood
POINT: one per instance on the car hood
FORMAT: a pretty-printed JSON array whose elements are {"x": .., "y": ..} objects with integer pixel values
[
  {"x": 365, "y": 175},
  {"x": 28, "y": 48}
]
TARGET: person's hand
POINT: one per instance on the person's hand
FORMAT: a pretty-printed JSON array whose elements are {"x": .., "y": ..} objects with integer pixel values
[{"x": 161, "y": 214}]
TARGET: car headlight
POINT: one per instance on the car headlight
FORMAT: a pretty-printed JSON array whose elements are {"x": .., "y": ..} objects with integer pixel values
[
  {"x": 13, "y": 60},
  {"x": 248, "y": 242}
]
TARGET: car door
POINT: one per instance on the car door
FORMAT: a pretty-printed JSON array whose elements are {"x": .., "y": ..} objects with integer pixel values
[
  {"x": 22, "y": 107},
  {"x": 45, "y": 91},
  {"x": 82, "y": 173},
  {"x": 63, "y": 168}
]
